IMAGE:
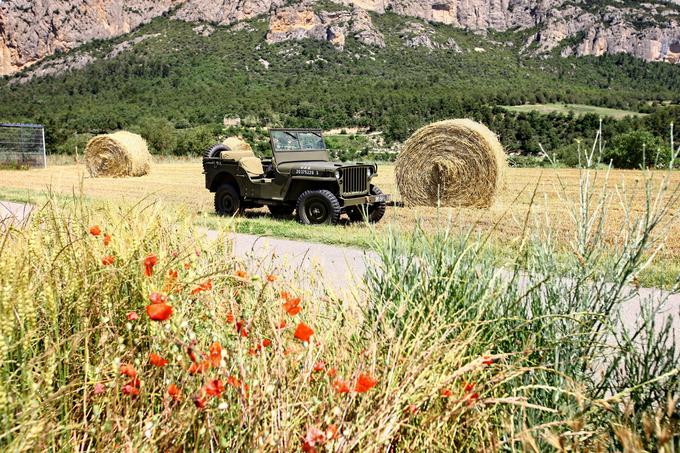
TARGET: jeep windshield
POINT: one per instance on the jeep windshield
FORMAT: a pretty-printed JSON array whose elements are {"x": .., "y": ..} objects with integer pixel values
[{"x": 291, "y": 141}]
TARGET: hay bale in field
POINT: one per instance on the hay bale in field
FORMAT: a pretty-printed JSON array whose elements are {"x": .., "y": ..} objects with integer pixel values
[
  {"x": 455, "y": 162},
  {"x": 119, "y": 154}
]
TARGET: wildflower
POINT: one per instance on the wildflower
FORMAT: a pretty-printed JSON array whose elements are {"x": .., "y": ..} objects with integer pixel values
[
  {"x": 198, "y": 368},
  {"x": 214, "y": 387},
  {"x": 149, "y": 263},
  {"x": 313, "y": 437},
  {"x": 95, "y": 230},
  {"x": 215, "y": 354},
  {"x": 292, "y": 306},
  {"x": 332, "y": 372},
  {"x": 332, "y": 431},
  {"x": 469, "y": 386},
  {"x": 191, "y": 353},
  {"x": 128, "y": 370},
  {"x": 159, "y": 312},
  {"x": 129, "y": 389},
  {"x": 187, "y": 266},
  {"x": 487, "y": 360},
  {"x": 241, "y": 328},
  {"x": 200, "y": 402},
  {"x": 303, "y": 332},
  {"x": 174, "y": 392},
  {"x": 241, "y": 274},
  {"x": 207, "y": 286},
  {"x": 445, "y": 393},
  {"x": 271, "y": 278},
  {"x": 230, "y": 318},
  {"x": 234, "y": 382},
  {"x": 132, "y": 316},
  {"x": 341, "y": 386},
  {"x": 319, "y": 366},
  {"x": 157, "y": 298},
  {"x": 108, "y": 260},
  {"x": 157, "y": 360},
  {"x": 107, "y": 239},
  {"x": 266, "y": 343},
  {"x": 281, "y": 324},
  {"x": 99, "y": 388},
  {"x": 365, "y": 383}
]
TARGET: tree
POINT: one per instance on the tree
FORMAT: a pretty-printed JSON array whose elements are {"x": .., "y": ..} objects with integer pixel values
[{"x": 636, "y": 149}]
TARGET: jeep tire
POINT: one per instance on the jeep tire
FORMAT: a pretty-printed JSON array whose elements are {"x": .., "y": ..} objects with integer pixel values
[
  {"x": 280, "y": 210},
  {"x": 318, "y": 207},
  {"x": 227, "y": 200},
  {"x": 373, "y": 212},
  {"x": 215, "y": 151}
]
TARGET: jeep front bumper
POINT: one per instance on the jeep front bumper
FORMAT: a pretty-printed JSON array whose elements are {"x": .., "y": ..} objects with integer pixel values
[{"x": 367, "y": 199}]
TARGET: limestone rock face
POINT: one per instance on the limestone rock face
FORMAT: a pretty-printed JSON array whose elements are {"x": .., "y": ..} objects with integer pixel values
[{"x": 33, "y": 29}]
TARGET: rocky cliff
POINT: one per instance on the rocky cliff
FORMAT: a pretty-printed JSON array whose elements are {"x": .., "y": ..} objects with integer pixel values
[{"x": 33, "y": 29}]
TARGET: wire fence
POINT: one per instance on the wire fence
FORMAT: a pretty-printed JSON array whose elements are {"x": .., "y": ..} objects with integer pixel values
[{"x": 22, "y": 145}]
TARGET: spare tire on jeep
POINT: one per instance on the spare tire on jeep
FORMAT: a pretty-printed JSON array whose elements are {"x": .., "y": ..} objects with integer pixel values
[{"x": 215, "y": 151}]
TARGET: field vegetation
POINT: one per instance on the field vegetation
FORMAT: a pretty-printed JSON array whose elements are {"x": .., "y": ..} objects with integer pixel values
[
  {"x": 123, "y": 328},
  {"x": 528, "y": 193},
  {"x": 575, "y": 109}
]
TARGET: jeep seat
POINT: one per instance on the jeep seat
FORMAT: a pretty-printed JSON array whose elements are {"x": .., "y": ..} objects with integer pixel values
[{"x": 252, "y": 165}]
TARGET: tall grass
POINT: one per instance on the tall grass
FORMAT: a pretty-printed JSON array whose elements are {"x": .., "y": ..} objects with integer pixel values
[{"x": 464, "y": 356}]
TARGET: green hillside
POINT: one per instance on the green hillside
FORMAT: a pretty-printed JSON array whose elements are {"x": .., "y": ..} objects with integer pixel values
[{"x": 179, "y": 85}]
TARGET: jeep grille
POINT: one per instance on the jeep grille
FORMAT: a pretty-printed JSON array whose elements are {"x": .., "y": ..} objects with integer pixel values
[{"x": 354, "y": 181}]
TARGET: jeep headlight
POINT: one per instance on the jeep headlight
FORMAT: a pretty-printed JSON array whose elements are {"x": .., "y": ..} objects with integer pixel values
[
  {"x": 369, "y": 172},
  {"x": 338, "y": 175}
]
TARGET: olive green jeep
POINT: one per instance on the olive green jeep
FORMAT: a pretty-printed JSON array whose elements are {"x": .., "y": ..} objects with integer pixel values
[{"x": 300, "y": 177}]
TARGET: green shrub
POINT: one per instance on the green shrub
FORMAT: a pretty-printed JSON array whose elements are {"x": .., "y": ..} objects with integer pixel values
[
  {"x": 159, "y": 134},
  {"x": 195, "y": 141},
  {"x": 636, "y": 149},
  {"x": 78, "y": 141}
]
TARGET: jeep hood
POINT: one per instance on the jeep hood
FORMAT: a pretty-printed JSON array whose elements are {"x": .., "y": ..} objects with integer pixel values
[{"x": 286, "y": 167}]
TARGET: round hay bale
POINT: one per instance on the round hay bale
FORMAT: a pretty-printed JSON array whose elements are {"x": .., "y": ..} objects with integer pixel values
[
  {"x": 451, "y": 163},
  {"x": 237, "y": 144},
  {"x": 118, "y": 155}
]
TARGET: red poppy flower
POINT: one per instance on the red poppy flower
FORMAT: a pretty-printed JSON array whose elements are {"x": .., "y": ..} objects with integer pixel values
[
  {"x": 230, "y": 318},
  {"x": 313, "y": 437},
  {"x": 241, "y": 328},
  {"x": 341, "y": 386},
  {"x": 134, "y": 382},
  {"x": 332, "y": 372},
  {"x": 128, "y": 370},
  {"x": 198, "y": 368},
  {"x": 241, "y": 274},
  {"x": 469, "y": 386},
  {"x": 266, "y": 343},
  {"x": 157, "y": 360},
  {"x": 174, "y": 392},
  {"x": 319, "y": 366},
  {"x": 95, "y": 230},
  {"x": 107, "y": 239},
  {"x": 108, "y": 260},
  {"x": 281, "y": 324},
  {"x": 132, "y": 316},
  {"x": 285, "y": 295},
  {"x": 234, "y": 382},
  {"x": 158, "y": 298},
  {"x": 200, "y": 402},
  {"x": 191, "y": 353},
  {"x": 214, "y": 387},
  {"x": 159, "y": 312},
  {"x": 487, "y": 360},
  {"x": 207, "y": 286},
  {"x": 445, "y": 393},
  {"x": 215, "y": 354},
  {"x": 292, "y": 306},
  {"x": 130, "y": 390},
  {"x": 303, "y": 332},
  {"x": 149, "y": 263},
  {"x": 271, "y": 278},
  {"x": 365, "y": 383}
]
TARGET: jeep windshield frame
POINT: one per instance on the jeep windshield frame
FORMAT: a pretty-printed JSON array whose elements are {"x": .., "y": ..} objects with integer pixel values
[{"x": 298, "y": 145}]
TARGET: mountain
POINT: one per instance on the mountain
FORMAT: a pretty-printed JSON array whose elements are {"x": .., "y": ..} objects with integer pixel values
[{"x": 31, "y": 30}]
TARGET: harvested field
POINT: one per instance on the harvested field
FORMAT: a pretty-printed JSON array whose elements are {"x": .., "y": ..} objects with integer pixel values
[{"x": 182, "y": 183}]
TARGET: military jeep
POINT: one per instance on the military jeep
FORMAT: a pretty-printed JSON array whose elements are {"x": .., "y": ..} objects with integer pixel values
[{"x": 299, "y": 177}]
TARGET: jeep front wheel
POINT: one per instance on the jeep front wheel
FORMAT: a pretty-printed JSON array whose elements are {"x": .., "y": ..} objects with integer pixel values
[
  {"x": 318, "y": 207},
  {"x": 227, "y": 200}
]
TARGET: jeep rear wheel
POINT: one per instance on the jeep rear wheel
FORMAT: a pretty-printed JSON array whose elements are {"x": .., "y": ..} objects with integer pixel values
[
  {"x": 279, "y": 210},
  {"x": 318, "y": 207},
  {"x": 373, "y": 212},
  {"x": 227, "y": 200}
]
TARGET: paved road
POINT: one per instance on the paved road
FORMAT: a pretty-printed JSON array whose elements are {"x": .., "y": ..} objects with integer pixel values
[{"x": 339, "y": 270}]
